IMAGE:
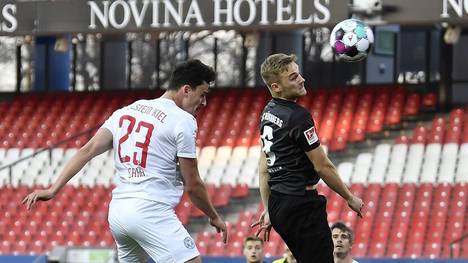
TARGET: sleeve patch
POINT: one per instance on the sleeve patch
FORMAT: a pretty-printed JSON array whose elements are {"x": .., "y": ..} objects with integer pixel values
[{"x": 311, "y": 136}]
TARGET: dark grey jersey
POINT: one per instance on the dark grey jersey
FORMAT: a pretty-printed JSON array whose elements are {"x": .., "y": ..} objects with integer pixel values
[{"x": 287, "y": 131}]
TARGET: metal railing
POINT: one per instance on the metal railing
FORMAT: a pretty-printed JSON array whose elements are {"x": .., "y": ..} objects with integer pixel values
[{"x": 88, "y": 132}]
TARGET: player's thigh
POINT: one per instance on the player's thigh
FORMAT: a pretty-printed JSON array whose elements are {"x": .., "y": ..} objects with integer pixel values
[
  {"x": 314, "y": 236},
  {"x": 128, "y": 249},
  {"x": 161, "y": 234}
]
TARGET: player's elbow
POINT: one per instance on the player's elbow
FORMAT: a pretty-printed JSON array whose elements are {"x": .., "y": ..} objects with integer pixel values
[
  {"x": 86, "y": 152},
  {"x": 322, "y": 167},
  {"x": 192, "y": 185}
]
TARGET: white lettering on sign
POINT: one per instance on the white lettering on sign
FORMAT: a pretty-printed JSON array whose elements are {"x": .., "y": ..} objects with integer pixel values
[
  {"x": 299, "y": 18},
  {"x": 322, "y": 9},
  {"x": 456, "y": 5},
  {"x": 226, "y": 11},
  {"x": 10, "y": 23},
  {"x": 126, "y": 14},
  {"x": 252, "y": 12},
  {"x": 194, "y": 13},
  {"x": 282, "y": 9},
  {"x": 264, "y": 11},
  {"x": 138, "y": 15},
  {"x": 105, "y": 13},
  {"x": 119, "y": 14}
]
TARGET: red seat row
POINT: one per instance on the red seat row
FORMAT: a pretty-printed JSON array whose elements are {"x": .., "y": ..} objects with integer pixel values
[
  {"x": 399, "y": 221},
  {"x": 451, "y": 129},
  {"x": 231, "y": 117},
  {"x": 76, "y": 216}
]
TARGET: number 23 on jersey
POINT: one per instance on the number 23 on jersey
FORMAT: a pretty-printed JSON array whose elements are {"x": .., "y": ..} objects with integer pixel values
[{"x": 141, "y": 127}]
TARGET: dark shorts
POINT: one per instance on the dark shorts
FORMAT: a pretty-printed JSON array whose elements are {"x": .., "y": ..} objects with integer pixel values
[{"x": 301, "y": 221}]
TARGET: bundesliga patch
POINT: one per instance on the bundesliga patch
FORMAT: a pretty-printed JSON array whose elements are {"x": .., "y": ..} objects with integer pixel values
[{"x": 311, "y": 136}]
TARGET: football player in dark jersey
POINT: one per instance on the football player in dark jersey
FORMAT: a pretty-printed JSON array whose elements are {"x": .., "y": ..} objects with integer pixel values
[{"x": 291, "y": 165}]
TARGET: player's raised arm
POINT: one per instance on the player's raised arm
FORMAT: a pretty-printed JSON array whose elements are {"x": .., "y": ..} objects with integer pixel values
[
  {"x": 196, "y": 190},
  {"x": 263, "y": 180},
  {"x": 264, "y": 220},
  {"x": 328, "y": 173},
  {"x": 101, "y": 142}
]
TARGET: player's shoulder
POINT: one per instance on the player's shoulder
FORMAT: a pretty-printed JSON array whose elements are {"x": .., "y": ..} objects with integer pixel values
[
  {"x": 171, "y": 106},
  {"x": 300, "y": 109},
  {"x": 133, "y": 105},
  {"x": 184, "y": 116},
  {"x": 299, "y": 112},
  {"x": 279, "y": 107},
  {"x": 180, "y": 116}
]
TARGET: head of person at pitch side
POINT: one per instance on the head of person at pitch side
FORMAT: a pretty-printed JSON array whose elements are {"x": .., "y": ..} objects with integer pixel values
[
  {"x": 253, "y": 249},
  {"x": 280, "y": 73},
  {"x": 189, "y": 85},
  {"x": 343, "y": 239}
]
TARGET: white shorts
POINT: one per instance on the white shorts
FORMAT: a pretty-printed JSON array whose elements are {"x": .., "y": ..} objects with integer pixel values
[{"x": 143, "y": 228}]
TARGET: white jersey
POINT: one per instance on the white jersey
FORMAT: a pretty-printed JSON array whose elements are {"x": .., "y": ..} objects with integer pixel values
[{"x": 148, "y": 136}]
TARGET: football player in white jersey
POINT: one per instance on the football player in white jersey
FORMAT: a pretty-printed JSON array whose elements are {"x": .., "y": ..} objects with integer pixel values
[
  {"x": 155, "y": 159},
  {"x": 343, "y": 238}
]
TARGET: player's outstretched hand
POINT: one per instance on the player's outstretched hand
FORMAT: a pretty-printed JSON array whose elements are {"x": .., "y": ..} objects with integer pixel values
[
  {"x": 265, "y": 225},
  {"x": 356, "y": 204},
  {"x": 220, "y": 226},
  {"x": 38, "y": 195}
]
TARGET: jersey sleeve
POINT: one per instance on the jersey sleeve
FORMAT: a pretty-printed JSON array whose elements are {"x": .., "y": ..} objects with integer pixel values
[
  {"x": 185, "y": 133},
  {"x": 303, "y": 131},
  {"x": 111, "y": 123}
]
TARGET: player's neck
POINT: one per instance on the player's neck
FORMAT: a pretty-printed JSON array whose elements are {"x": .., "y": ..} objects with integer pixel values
[
  {"x": 283, "y": 98},
  {"x": 171, "y": 95},
  {"x": 347, "y": 259}
]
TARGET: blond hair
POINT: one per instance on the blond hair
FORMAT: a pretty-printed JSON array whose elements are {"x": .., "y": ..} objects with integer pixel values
[{"x": 274, "y": 65}]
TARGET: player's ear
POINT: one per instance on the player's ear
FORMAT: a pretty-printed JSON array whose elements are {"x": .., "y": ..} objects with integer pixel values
[
  {"x": 185, "y": 89},
  {"x": 275, "y": 87}
]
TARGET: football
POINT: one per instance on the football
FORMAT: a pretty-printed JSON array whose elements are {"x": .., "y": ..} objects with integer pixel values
[{"x": 351, "y": 40}]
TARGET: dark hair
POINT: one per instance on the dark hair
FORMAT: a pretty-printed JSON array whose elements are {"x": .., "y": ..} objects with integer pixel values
[
  {"x": 252, "y": 238},
  {"x": 344, "y": 228},
  {"x": 191, "y": 72}
]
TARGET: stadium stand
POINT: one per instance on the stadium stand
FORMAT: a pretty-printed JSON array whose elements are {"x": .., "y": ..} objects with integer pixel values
[{"x": 410, "y": 186}]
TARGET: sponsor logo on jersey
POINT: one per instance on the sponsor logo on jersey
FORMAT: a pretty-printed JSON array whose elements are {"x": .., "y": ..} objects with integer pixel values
[
  {"x": 188, "y": 242},
  {"x": 311, "y": 136}
]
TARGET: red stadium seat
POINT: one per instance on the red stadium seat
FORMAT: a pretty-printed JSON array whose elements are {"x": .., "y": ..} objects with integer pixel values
[
  {"x": 419, "y": 135},
  {"x": 234, "y": 248},
  {"x": 455, "y": 220},
  {"x": 223, "y": 194},
  {"x": 383, "y": 219},
  {"x": 429, "y": 100},
  {"x": 240, "y": 191},
  {"x": 334, "y": 206},
  {"x": 439, "y": 208},
  {"x": 270, "y": 248},
  {"x": 419, "y": 221},
  {"x": 217, "y": 249},
  {"x": 412, "y": 105}
]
